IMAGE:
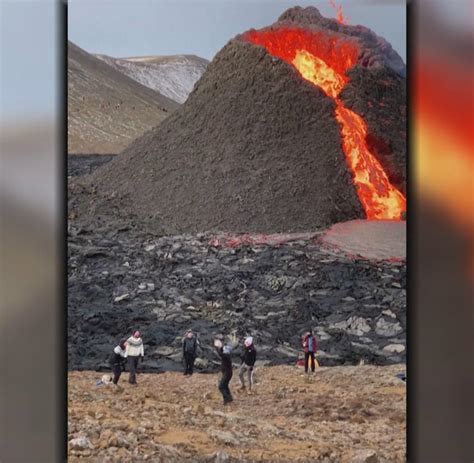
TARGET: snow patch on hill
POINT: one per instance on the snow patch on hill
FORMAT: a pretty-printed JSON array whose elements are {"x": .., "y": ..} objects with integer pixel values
[{"x": 172, "y": 76}]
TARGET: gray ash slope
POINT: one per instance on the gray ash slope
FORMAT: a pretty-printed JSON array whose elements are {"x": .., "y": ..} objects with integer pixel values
[
  {"x": 123, "y": 279},
  {"x": 256, "y": 148},
  {"x": 252, "y": 149}
]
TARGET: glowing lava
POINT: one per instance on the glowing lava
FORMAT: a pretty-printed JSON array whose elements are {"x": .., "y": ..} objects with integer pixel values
[
  {"x": 323, "y": 60},
  {"x": 339, "y": 13}
]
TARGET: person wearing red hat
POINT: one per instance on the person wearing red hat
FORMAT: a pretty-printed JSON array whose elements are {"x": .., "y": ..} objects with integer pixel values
[{"x": 134, "y": 352}]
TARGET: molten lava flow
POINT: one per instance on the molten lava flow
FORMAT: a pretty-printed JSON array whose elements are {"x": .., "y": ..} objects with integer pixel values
[
  {"x": 319, "y": 73},
  {"x": 380, "y": 199},
  {"x": 310, "y": 54}
]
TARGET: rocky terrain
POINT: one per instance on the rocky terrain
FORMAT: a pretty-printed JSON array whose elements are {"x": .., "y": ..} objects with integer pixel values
[
  {"x": 122, "y": 277},
  {"x": 106, "y": 108},
  {"x": 173, "y": 76},
  {"x": 341, "y": 415}
]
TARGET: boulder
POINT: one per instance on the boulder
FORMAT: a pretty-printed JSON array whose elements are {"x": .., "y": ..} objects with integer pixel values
[
  {"x": 387, "y": 328},
  {"x": 80, "y": 443}
]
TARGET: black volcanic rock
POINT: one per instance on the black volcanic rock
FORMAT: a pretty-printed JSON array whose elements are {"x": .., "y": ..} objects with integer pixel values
[{"x": 164, "y": 286}]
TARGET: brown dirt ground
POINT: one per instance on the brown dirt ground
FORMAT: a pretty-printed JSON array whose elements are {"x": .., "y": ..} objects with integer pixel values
[{"x": 331, "y": 417}]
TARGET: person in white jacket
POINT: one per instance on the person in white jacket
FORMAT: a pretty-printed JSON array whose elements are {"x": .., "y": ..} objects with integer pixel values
[{"x": 134, "y": 352}]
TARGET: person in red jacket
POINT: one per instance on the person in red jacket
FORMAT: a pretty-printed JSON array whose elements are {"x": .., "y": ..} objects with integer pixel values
[{"x": 309, "y": 345}]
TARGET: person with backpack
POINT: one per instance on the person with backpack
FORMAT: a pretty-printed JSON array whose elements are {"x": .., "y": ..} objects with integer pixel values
[
  {"x": 134, "y": 352},
  {"x": 190, "y": 344},
  {"x": 248, "y": 361},
  {"x": 225, "y": 353},
  {"x": 309, "y": 345},
  {"x": 117, "y": 360}
]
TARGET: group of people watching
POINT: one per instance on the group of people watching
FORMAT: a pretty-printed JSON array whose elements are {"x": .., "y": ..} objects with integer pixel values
[{"x": 131, "y": 351}]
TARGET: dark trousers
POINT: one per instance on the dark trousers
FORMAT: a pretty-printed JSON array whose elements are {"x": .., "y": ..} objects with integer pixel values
[
  {"x": 224, "y": 389},
  {"x": 188, "y": 363},
  {"x": 132, "y": 368},
  {"x": 307, "y": 356},
  {"x": 117, "y": 373}
]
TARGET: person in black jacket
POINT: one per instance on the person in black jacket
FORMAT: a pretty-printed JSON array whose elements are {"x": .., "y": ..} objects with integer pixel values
[
  {"x": 224, "y": 352},
  {"x": 189, "y": 352},
  {"x": 248, "y": 361},
  {"x": 117, "y": 360}
]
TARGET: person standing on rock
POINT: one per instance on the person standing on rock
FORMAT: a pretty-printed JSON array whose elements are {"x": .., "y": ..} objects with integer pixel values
[
  {"x": 309, "y": 345},
  {"x": 117, "y": 360},
  {"x": 248, "y": 361},
  {"x": 189, "y": 352},
  {"x": 225, "y": 353},
  {"x": 134, "y": 352}
]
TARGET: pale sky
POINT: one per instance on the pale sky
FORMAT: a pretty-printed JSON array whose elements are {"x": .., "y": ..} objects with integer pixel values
[
  {"x": 31, "y": 44},
  {"x": 123, "y": 28}
]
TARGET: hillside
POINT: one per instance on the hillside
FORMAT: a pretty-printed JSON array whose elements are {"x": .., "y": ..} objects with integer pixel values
[
  {"x": 257, "y": 147},
  {"x": 344, "y": 415},
  {"x": 107, "y": 109},
  {"x": 172, "y": 76}
]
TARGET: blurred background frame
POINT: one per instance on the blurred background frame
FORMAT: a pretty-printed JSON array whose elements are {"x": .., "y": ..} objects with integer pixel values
[{"x": 33, "y": 231}]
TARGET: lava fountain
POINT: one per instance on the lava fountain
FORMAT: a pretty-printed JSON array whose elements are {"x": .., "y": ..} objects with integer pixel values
[{"x": 323, "y": 60}]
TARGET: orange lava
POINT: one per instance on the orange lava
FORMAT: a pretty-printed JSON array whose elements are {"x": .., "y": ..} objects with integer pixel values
[
  {"x": 339, "y": 13},
  {"x": 323, "y": 60}
]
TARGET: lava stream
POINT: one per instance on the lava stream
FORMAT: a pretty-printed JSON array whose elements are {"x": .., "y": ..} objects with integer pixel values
[{"x": 379, "y": 198}]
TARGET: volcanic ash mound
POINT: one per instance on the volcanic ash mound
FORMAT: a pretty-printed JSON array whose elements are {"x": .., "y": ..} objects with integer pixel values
[{"x": 256, "y": 148}]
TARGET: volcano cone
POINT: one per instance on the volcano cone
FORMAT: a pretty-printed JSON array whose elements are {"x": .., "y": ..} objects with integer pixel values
[{"x": 257, "y": 147}]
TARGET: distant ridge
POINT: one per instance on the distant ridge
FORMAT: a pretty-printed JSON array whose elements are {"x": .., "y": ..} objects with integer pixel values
[
  {"x": 107, "y": 110},
  {"x": 173, "y": 76}
]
